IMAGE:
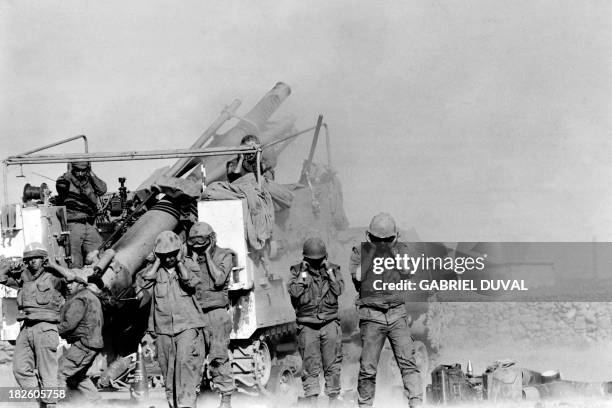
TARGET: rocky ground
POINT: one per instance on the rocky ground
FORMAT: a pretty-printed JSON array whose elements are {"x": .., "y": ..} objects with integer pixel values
[{"x": 575, "y": 338}]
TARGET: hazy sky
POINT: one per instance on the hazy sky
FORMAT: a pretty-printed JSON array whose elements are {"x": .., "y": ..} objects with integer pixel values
[{"x": 469, "y": 120}]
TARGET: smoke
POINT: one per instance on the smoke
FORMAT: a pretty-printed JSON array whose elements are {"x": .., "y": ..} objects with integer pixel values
[{"x": 474, "y": 120}]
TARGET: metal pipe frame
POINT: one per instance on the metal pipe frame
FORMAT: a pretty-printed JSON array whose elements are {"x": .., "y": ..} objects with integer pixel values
[
  {"x": 27, "y": 158},
  {"x": 129, "y": 155},
  {"x": 59, "y": 142}
]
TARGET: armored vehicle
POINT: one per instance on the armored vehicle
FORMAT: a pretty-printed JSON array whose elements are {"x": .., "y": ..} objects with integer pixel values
[{"x": 262, "y": 340}]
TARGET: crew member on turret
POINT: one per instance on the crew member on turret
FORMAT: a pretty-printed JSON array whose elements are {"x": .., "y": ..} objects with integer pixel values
[
  {"x": 247, "y": 163},
  {"x": 79, "y": 189}
]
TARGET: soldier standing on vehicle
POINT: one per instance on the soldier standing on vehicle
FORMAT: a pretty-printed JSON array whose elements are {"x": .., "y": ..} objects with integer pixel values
[
  {"x": 39, "y": 299},
  {"x": 247, "y": 162},
  {"x": 80, "y": 325},
  {"x": 212, "y": 294},
  {"x": 79, "y": 190},
  {"x": 382, "y": 315},
  {"x": 314, "y": 289},
  {"x": 175, "y": 319}
]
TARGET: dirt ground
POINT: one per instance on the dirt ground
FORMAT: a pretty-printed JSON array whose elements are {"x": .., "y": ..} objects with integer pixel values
[{"x": 586, "y": 364}]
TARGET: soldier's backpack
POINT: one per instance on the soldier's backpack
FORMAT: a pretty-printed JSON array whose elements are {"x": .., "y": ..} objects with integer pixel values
[
  {"x": 503, "y": 380},
  {"x": 449, "y": 384}
]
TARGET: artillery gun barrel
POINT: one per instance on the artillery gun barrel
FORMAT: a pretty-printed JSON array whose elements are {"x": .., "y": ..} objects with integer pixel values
[
  {"x": 137, "y": 243},
  {"x": 252, "y": 123}
]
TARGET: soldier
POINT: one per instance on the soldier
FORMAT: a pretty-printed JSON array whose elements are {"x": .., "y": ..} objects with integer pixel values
[
  {"x": 79, "y": 190},
  {"x": 382, "y": 315},
  {"x": 80, "y": 325},
  {"x": 246, "y": 163},
  {"x": 314, "y": 289},
  {"x": 212, "y": 293},
  {"x": 39, "y": 300},
  {"x": 175, "y": 319}
]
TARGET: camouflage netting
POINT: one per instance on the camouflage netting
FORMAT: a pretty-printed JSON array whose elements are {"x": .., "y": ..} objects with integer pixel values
[{"x": 530, "y": 324}]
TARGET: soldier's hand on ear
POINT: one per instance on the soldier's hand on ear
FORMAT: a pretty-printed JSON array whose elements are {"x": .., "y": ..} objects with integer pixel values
[
  {"x": 16, "y": 264},
  {"x": 182, "y": 253},
  {"x": 330, "y": 274},
  {"x": 208, "y": 250},
  {"x": 156, "y": 263},
  {"x": 303, "y": 272}
]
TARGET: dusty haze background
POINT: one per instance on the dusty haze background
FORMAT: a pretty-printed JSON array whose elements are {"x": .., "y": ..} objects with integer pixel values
[{"x": 469, "y": 120}]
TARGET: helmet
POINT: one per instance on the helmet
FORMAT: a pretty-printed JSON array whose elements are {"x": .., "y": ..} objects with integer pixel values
[
  {"x": 382, "y": 226},
  {"x": 167, "y": 242},
  {"x": 81, "y": 165},
  {"x": 200, "y": 229},
  {"x": 249, "y": 140},
  {"x": 35, "y": 250},
  {"x": 199, "y": 233},
  {"x": 314, "y": 248}
]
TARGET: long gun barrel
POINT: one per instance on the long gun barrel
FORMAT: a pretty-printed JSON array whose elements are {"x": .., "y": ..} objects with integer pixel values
[{"x": 137, "y": 243}]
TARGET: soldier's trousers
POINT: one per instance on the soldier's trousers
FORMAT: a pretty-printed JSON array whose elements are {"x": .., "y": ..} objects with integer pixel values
[
  {"x": 73, "y": 366},
  {"x": 36, "y": 349},
  {"x": 373, "y": 336},
  {"x": 84, "y": 238},
  {"x": 181, "y": 359},
  {"x": 216, "y": 336},
  {"x": 320, "y": 346}
]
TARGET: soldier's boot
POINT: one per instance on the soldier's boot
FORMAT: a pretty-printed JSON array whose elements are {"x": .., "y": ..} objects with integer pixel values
[
  {"x": 335, "y": 402},
  {"x": 308, "y": 402},
  {"x": 226, "y": 401}
]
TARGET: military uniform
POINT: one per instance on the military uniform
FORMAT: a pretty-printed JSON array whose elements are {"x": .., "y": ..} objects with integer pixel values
[
  {"x": 39, "y": 300},
  {"x": 81, "y": 325},
  {"x": 314, "y": 295},
  {"x": 212, "y": 295},
  {"x": 175, "y": 320},
  {"x": 80, "y": 199},
  {"x": 382, "y": 315}
]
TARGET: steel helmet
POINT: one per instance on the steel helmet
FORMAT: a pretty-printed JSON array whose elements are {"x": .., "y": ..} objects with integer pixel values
[
  {"x": 249, "y": 140},
  {"x": 35, "y": 250},
  {"x": 200, "y": 230},
  {"x": 81, "y": 165},
  {"x": 314, "y": 248},
  {"x": 382, "y": 226},
  {"x": 199, "y": 234},
  {"x": 167, "y": 242}
]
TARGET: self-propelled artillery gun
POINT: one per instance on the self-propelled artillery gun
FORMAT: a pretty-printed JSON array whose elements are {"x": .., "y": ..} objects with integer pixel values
[{"x": 263, "y": 350}]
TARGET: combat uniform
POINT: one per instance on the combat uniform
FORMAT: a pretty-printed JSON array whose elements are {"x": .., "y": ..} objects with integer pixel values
[
  {"x": 39, "y": 300},
  {"x": 314, "y": 296},
  {"x": 80, "y": 199},
  {"x": 81, "y": 325},
  {"x": 382, "y": 315},
  {"x": 175, "y": 320},
  {"x": 212, "y": 294}
]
